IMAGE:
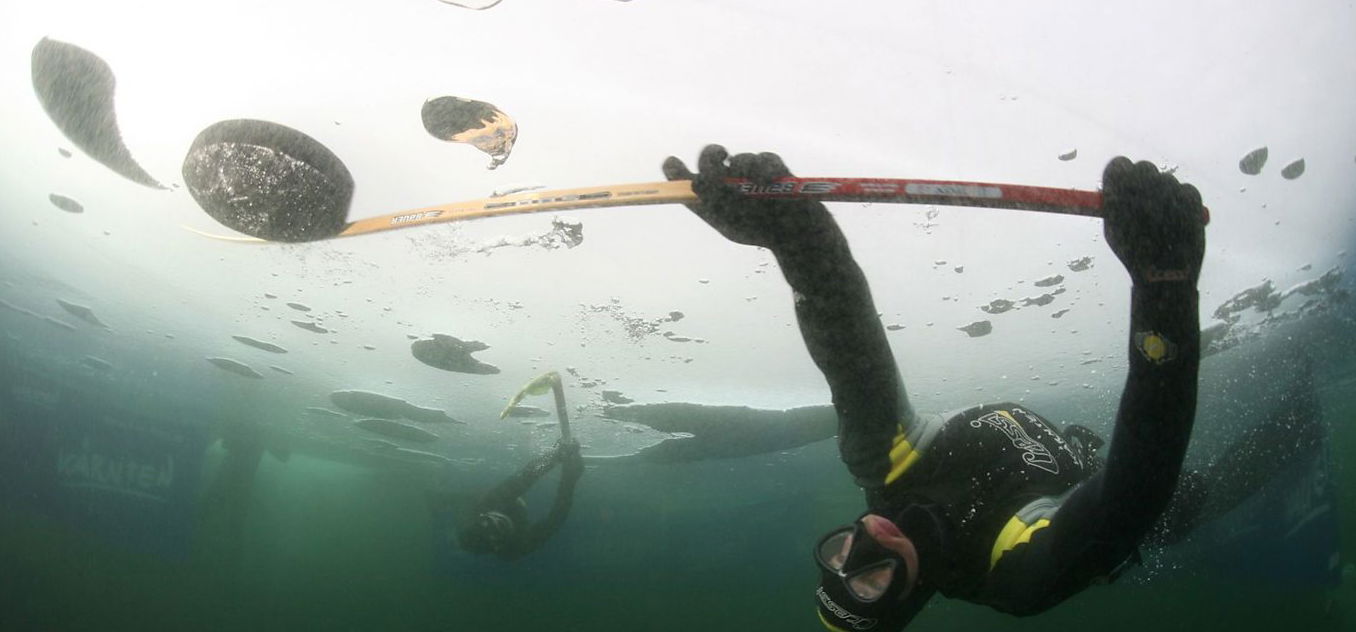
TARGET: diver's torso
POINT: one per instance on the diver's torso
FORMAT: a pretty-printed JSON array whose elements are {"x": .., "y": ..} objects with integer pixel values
[{"x": 980, "y": 467}]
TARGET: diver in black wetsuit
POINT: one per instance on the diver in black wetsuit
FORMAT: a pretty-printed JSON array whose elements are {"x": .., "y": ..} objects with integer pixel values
[
  {"x": 990, "y": 504},
  {"x": 500, "y": 524}
]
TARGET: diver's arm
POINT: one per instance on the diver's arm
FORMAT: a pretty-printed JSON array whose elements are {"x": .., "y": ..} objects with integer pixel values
[
  {"x": 834, "y": 308},
  {"x": 572, "y": 467},
  {"x": 1154, "y": 225},
  {"x": 515, "y": 486}
]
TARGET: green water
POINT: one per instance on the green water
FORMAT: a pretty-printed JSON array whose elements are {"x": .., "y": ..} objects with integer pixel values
[{"x": 718, "y": 545}]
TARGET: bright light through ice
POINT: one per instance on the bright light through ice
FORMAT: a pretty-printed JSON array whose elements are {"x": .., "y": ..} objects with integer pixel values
[{"x": 980, "y": 305}]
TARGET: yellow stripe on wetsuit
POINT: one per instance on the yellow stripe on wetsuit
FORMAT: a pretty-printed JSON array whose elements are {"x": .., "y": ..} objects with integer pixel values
[
  {"x": 1014, "y": 532},
  {"x": 902, "y": 457}
]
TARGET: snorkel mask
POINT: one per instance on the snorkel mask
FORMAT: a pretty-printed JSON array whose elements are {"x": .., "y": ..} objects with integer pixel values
[
  {"x": 489, "y": 533},
  {"x": 865, "y": 585}
]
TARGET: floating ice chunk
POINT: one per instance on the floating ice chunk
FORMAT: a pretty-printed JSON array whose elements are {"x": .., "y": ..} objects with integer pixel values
[
  {"x": 299, "y": 307},
  {"x": 1293, "y": 170},
  {"x": 238, "y": 368},
  {"x": 893, "y": 327},
  {"x": 1049, "y": 281},
  {"x": 1252, "y": 163},
  {"x": 978, "y": 328}
]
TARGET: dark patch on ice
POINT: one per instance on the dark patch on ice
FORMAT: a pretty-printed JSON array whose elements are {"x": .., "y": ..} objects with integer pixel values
[
  {"x": 396, "y": 430},
  {"x": 616, "y": 397},
  {"x": 76, "y": 89},
  {"x": 238, "y": 368},
  {"x": 426, "y": 415},
  {"x": 82, "y": 312},
  {"x": 64, "y": 203},
  {"x": 1044, "y": 299},
  {"x": 1069, "y": 155},
  {"x": 65, "y": 153},
  {"x": 310, "y": 326},
  {"x": 452, "y": 354},
  {"x": 1059, "y": 313},
  {"x": 369, "y": 404},
  {"x": 476, "y": 123},
  {"x": 997, "y": 306},
  {"x": 893, "y": 327},
  {"x": 1293, "y": 170},
  {"x": 978, "y": 328},
  {"x": 718, "y": 432},
  {"x": 259, "y": 344},
  {"x": 1079, "y": 265},
  {"x": 1252, "y": 163},
  {"x": 1050, "y": 280},
  {"x": 387, "y": 407}
]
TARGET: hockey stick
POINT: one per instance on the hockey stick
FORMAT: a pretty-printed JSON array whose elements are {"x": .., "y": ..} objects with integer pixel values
[{"x": 1066, "y": 201}]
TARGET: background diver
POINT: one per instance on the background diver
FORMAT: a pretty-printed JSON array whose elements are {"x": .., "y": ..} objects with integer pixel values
[
  {"x": 990, "y": 504},
  {"x": 498, "y": 522}
]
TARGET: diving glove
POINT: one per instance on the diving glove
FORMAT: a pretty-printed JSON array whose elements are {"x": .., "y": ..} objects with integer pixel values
[
  {"x": 770, "y": 223},
  {"x": 1153, "y": 223}
]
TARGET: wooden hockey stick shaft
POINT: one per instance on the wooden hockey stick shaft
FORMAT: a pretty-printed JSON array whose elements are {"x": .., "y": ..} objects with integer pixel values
[{"x": 943, "y": 192}]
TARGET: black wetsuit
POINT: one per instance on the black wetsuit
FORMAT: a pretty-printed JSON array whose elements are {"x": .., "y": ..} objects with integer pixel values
[
  {"x": 507, "y": 498},
  {"x": 1026, "y": 520}
]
